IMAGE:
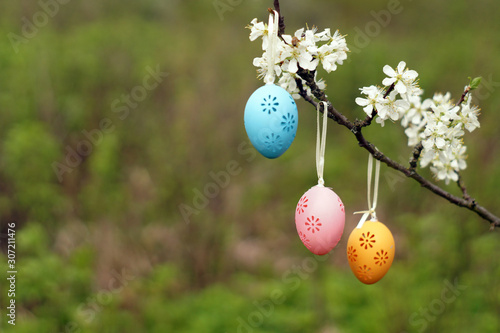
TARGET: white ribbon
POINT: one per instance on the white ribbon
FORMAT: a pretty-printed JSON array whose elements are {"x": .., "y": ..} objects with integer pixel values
[
  {"x": 321, "y": 143},
  {"x": 371, "y": 208},
  {"x": 272, "y": 29}
]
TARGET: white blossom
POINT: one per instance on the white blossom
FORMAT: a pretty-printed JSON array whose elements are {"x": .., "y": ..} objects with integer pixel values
[
  {"x": 439, "y": 98},
  {"x": 416, "y": 113},
  {"x": 427, "y": 156},
  {"x": 437, "y": 123},
  {"x": 259, "y": 29},
  {"x": 468, "y": 116},
  {"x": 333, "y": 52},
  {"x": 403, "y": 78},
  {"x": 306, "y": 49},
  {"x": 391, "y": 107},
  {"x": 374, "y": 94},
  {"x": 298, "y": 54},
  {"x": 287, "y": 82},
  {"x": 262, "y": 64},
  {"x": 449, "y": 162},
  {"x": 320, "y": 83},
  {"x": 444, "y": 171},
  {"x": 323, "y": 36},
  {"x": 415, "y": 133}
]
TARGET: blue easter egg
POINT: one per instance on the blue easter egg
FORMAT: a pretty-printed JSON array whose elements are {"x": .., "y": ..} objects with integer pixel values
[{"x": 271, "y": 120}]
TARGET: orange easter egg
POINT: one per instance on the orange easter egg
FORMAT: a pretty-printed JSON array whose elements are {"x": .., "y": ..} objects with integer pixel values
[{"x": 370, "y": 251}]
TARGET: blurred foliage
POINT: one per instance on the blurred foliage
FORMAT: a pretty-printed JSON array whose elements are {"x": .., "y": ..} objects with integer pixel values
[{"x": 101, "y": 243}]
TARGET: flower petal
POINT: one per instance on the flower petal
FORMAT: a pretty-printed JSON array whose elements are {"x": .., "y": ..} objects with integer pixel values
[
  {"x": 388, "y": 81},
  {"x": 440, "y": 143},
  {"x": 401, "y": 66},
  {"x": 292, "y": 66},
  {"x": 362, "y": 101},
  {"x": 410, "y": 74},
  {"x": 389, "y": 71},
  {"x": 400, "y": 87}
]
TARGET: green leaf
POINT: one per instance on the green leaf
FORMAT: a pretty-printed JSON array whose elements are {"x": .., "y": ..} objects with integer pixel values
[{"x": 474, "y": 83}]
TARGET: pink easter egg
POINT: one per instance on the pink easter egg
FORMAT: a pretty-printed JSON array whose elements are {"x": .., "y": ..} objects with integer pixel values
[{"x": 320, "y": 219}]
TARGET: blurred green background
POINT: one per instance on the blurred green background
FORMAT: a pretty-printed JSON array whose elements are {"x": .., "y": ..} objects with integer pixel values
[{"x": 106, "y": 248}]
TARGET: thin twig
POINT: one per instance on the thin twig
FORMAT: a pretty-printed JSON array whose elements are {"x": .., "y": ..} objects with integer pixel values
[
  {"x": 281, "y": 28},
  {"x": 389, "y": 90},
  {"x": 460, "y": 183},
  {"x": 463, "y": 188},
  {"x": 462, "y": 98}
]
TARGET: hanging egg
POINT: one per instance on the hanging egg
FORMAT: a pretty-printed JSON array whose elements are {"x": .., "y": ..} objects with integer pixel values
[
  {"x": 370, "y": 251},
  {"x": 271, "y": 120},
  {"x": 320, "y": 219}
]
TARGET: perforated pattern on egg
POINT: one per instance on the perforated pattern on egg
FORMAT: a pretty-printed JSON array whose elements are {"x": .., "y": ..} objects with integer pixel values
[
  {"x": 341, "y": 204},
  {"x": 273, "y": 142},
  {"x": 381, "y": 257},
  {"x": 367, "y": 239},
  {"x": 270, "y": 104},
  {"x": 364, "y": 272},
  {"x": 352, "y": 256},
  {"x": 313, "y": 224},
  {"x": 288, "y": 122},
  {"x": 303, "y": 203},
  {"x": 305, "y": 240}
]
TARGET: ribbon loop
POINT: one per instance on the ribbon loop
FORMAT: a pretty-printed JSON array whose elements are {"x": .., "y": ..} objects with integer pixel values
[
  {"x": 272, "y": 29},
  {"x": 321, "y": 142},
  {"x": 371, "y": 206}
]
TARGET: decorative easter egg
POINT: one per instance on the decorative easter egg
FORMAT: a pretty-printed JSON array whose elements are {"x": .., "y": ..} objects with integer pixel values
[
  {"x": 320, "y": 219},
  {"x": 271, "y": 120},
  {"x": 370, "y": 251}
]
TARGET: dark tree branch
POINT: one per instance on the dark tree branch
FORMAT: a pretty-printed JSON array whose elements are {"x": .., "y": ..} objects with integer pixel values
[
  {"x": 368, "y": 119},
  {"x": 410, "y": 172},
  {"x": 466, "y": 201},
  {"x": 303, "y": 92}
]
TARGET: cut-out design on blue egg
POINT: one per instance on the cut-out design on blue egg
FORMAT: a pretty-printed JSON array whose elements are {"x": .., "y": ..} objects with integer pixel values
[
  {"x": 288, "y": 122},
  {"x": 293, "y": 101},
  {"x": 270, "y": 104},
  {"x": 273, "y": 142}
]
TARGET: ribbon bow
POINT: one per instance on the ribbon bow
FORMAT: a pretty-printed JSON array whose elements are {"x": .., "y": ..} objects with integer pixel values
[{"x": 371, "y": 208}]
